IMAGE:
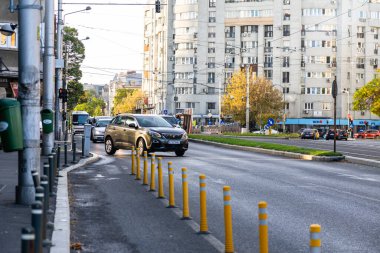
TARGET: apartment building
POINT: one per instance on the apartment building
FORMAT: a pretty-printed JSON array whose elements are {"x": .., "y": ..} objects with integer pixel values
[{"x": 302, "y": 46}]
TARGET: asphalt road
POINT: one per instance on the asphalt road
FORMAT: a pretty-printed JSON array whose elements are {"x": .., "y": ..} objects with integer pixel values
[
  {"x": 367, "y": 148},
  {"x": 112, "y": 211}
]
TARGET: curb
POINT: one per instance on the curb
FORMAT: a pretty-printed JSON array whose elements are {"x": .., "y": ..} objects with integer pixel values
[
  {"x": 362, "y": 161},
  {"x": 61, "y": 233},
  {"x": 274, "y": 152}
]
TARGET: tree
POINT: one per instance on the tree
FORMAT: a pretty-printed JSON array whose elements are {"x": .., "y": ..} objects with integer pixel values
[
  {"x": 75, "y": 52},
  {"x": 90, "y": 103},
  {"x": 126, "y": 100},
  {"x": 265, "y": 100},
  {"x": 368, "y": 97}
]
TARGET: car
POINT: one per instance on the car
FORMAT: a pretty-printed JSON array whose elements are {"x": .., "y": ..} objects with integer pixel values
[
  {"x": 368, "y": 134},
  {"x": 310, "y": 134},
  {"x": 300, "y": 131},
  {"x": 340, "y": 134},
  {"x": 146, "y": 132},
  {"x": 98, "y": 127},
  {"x": 265, "y": 131},
  {"x": 172, "y": 120}
]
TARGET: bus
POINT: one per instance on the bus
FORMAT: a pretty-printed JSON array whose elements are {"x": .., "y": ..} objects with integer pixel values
[{"x": 78, "y": 119}]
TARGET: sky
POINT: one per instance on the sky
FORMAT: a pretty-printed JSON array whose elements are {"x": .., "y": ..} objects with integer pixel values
[{"x": 115, "y": 34}]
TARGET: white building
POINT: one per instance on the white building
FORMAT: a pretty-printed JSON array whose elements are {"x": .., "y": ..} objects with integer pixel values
[{"x": 193, "y": 46}]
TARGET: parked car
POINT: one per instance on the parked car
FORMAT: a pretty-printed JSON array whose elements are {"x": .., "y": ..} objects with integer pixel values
[
  {"x": 368, "y": 134},
  {"x": 172, "y": 120},
  {"x": 310, "y": 134},
  {"x": 265, "y": 131},
  {"x": 300, "y": 131},
  {"x": 340, "y": 134},
  {"x": 146, "y": 132},
  {"x": 98, "y": 127}
]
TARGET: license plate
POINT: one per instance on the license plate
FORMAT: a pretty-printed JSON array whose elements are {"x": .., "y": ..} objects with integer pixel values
[{"x": 174, "y": 142}]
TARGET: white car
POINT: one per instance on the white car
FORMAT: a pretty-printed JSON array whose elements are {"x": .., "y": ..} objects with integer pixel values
[{"x": 265, "y": 131}]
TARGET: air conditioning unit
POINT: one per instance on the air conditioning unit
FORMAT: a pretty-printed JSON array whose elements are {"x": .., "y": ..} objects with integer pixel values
[
  {"x": 244, "y": 34},
  {"x": 334, "y": 48},
  {"x": 171, "y": 58},
  {"x": 243, "y": 50},
  {"x": 306, "y": 111},
  {"x": 303, "y": 49}
]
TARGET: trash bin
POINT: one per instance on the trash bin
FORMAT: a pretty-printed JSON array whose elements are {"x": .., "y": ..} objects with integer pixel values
[
  {"x": 10, "y": 125},
  {"x": 47, "y": 118}
]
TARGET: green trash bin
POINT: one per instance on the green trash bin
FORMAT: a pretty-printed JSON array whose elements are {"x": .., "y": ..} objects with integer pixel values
[
  {"x": 47, "y": 118},
  {"x": 10, "y": 125}
]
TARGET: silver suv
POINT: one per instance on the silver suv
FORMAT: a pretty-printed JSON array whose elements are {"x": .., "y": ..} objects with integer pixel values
[{"x": 146, "y": 132}]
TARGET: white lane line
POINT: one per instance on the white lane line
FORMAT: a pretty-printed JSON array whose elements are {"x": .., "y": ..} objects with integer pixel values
[
  {"x": 2, "y": 188},
  {"x": 348, "y": 193}
]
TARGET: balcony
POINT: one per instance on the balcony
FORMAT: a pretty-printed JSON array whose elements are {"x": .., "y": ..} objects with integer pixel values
[
  {"x": 268, "y": 34},
  {"x": 228, "y": 65},
  {"x": 268, "y": 64},
  {"x": 360, "y": 65},
  {"x": 268, "y": 49},
  {"x": 360, "y": 35}
]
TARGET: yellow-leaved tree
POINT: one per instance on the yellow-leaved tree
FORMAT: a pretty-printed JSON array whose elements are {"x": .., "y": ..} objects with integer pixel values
[
  {"x": 127, "y": 102},
  {"x": 265, "y": 100}
]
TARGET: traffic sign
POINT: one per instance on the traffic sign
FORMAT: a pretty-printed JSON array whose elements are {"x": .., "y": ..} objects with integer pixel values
[
  {"x": 165, "y": 111},
  {"x": 270, "y": 122},
  {"x": 266, "y": 127}
]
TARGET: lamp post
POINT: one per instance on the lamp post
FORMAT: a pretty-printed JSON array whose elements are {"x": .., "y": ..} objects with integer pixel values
[
  {"x": 348, "y": 106},
  {"x": 62, "y": 64}
]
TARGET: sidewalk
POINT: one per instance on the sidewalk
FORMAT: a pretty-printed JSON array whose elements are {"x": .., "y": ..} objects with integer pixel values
[{"x": 14, "y": 217}]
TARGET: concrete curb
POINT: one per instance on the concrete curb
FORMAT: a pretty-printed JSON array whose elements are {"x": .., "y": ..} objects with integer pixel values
[
  {"x": 273, "y": 152},
  {"x": 362, "y": 161},
  {"x": 61, "y": 233}
]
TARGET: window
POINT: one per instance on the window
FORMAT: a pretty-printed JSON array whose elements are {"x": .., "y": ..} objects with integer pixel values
[
  {"x": 177, "y": 105},
  {"x": 285, "y": 61},
  {"x": 230, "y": 31},
  {"x": 268, "y": 31},
  {"x": 211, "y": 106},
  {"x": 211, "y": 31},
  {"x": 326, "y": 106},
  {"x": 211, "y": 47},
  {"x": 210, "y": 90},
  {"x": 211, "y": 77},
  {"x": 308, "y": 106},
  {"x": 190, "y": 105},
  {"x": 212, "y": 3},
  {"x": 286, "y": 16},
  {"x": 285, "y": 77},
  {"x": 286, "y": 30},
  {"x": 212, "y": 16},
  {"x": 249, "y": 29}
]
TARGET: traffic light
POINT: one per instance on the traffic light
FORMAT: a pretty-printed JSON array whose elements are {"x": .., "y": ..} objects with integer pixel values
[
  {"x": 60, "y": 93},
  {"x": 64, "y": 96},
  {"x": 158, "y": 6}
]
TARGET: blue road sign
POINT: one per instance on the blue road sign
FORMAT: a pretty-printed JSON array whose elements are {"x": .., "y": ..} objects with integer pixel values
[
  {"x": 270, "y": 122},
  {"x": 266, "y": 127},
  {"x": 165, "y": 111}
]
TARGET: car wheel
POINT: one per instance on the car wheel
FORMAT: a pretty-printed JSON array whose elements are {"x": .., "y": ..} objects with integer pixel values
[
  {"x": 109, "y": 147},
  {"x": 141, "y": 146},
  {"x": 180, "y": 152}
]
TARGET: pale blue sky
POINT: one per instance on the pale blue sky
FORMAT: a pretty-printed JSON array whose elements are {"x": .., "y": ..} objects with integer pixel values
[{"x": 116, "y": 38}]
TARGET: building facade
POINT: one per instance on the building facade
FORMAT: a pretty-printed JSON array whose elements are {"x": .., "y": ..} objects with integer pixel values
[
  {"x": 302, "y": 46},
  {"x": 128, "y": 79}
]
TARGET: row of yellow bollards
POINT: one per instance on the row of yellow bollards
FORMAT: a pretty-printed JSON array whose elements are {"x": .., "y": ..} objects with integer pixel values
[{"x": 315, "y": 229}]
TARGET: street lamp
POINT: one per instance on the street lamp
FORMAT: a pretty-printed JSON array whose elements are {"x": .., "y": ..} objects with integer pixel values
[
  {"x": 86, "y": 9},
  {"x": 347, "y": 91}
]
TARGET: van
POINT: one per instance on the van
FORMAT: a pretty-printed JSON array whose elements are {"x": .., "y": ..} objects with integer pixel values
[{"x": 78, "y": 119}]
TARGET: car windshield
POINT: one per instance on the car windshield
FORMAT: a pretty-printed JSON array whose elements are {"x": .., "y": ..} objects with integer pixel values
[
  {"x": 152, "y": 121},
  {"x": 171, "y": 120},
  {"x": 79, "y": 119},
  {"x": 103, "y": 122}
]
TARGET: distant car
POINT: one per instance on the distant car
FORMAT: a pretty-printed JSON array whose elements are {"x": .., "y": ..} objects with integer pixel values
[
  {"x": 98, "y": 128},
  {"x": 310, "y": 134},
  {"x": 172, "y": 120},
  {"x": 300, "y": 131},
  {"x": 340, "y": 134},
  {"x": 368, "y": 134},
  {"x": 265, "y": 131},
  {"x": 146, "y": 132}
]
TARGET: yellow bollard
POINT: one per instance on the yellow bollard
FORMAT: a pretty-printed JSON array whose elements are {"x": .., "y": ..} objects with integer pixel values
[
  {"x": 152, "y": 174},
  {"x": 161, "y": 194},
  {"x": 203, "y": 204},
  {"x": 138, "y": 176},
  {"x": 171, "y": 186},
  {"x": 145, "y": 171},
  {"x": 229, "y": 242},
  {"x": 133, "y": 161},
  {"x": 185, "y": 196},
  {"x": 315, "y": 238},
  {"x": 263, "y": 227}
]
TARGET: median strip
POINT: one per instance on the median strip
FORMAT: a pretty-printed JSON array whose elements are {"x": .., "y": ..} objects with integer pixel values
[{"x": 269, "y": 148}]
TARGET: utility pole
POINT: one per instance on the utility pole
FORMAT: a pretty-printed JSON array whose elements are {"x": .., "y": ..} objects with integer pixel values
[
  {"x": 29, "y": 97},
  {"x": 247, "y": 100},
  {"x": 334, "y": 94},
  {"x": 58, "y": 72},
  {"x": 48, "y": 95}
]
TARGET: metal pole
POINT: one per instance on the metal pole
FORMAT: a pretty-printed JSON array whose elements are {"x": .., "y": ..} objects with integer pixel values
[
  {"x": 58, "y": 158},
  {"x": 49, "y": 65},
  {"x": 65, "y": 150},
  {"x": 29, "y": 97},
  {"x": 64, "y": 104},
  {"x": 348, "y": 109},
  {"x": 334, "y": 124},
  {"x": 27, "y": 240},
  {"x": 37, "y": 219},
  {"x": 220, "y": 99},
  {"x": 247, "y": 101},
  {"x": 283, "y": 114},
  {"x": 58, "y": 72}
]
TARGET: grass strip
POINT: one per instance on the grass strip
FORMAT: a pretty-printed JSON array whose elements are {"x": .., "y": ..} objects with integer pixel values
[
  {"x": 280, "y": 135},
  {"x": 264, "y": 145}
]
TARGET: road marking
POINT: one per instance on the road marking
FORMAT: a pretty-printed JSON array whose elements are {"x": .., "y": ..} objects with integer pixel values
[
  {"x": 104, "y": 160},
  {"x": 99, "y": 176},
  {"x": 3, "y": 187},
  {"x": 357, "y": 177},
  {"x": 348, "y": 193},
  {"x": 113, "y": 170}
]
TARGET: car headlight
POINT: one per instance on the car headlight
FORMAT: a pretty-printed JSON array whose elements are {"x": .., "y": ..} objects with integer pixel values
[
  {"x": 99, "y": 132},
  {"x": 154, "y": 134},
  {"x": 184, "y": 136}
]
